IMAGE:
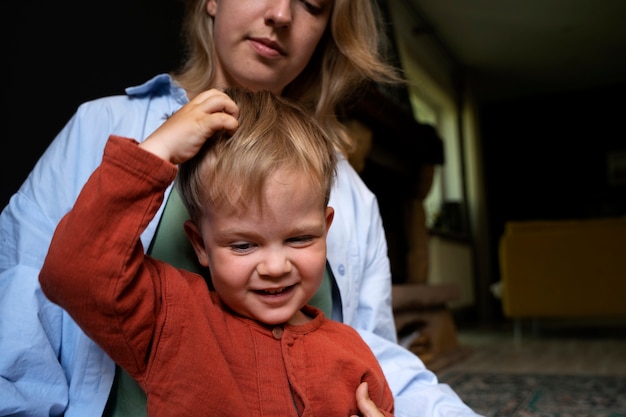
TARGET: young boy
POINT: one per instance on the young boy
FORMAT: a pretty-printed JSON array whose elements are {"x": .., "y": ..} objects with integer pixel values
[{"x": 257, "y": 192}]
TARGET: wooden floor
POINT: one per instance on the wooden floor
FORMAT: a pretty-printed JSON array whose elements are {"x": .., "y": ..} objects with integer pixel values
[{"x": 549, "y": 347}]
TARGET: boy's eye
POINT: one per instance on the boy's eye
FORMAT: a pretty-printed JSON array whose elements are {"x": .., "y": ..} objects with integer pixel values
[
  {"x": 301, "y": 240},
  {"x": 241, "y": 247}
]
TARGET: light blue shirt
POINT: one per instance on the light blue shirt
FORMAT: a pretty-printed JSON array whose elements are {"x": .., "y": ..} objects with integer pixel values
[{"x": 49, "y": 367}]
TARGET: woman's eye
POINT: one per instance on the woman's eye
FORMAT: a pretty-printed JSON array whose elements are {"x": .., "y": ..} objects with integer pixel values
[{"x": 312, "y": 8}]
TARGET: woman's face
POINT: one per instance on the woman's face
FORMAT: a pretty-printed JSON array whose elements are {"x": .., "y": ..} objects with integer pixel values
[{"x": 265, "y": 44}]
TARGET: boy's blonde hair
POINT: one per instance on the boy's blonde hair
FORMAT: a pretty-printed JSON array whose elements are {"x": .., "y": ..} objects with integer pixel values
[
  {"x": 347, "y": 56},
  {"x": 230, "y": 172}
]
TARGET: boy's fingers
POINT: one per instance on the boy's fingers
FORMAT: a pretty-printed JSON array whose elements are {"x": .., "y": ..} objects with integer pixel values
[
  {"x": 224, "y": 121},
  {"x": 215, "y": 101}
]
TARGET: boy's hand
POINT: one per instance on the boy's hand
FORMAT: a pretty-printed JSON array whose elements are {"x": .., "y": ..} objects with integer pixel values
[
  {"x": 367, "y": 407},
  {"x": 183, "y": 134}
]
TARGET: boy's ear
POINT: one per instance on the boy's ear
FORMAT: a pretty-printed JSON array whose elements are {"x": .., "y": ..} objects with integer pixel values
[
  {"x": 195, "y": 238},
  {"x": 330, "y": 215}
]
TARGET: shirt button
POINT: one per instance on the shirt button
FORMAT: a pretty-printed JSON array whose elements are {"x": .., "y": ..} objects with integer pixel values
[
  {"x": 277, "y": 332},
  {"x": 342, "y": 269}
]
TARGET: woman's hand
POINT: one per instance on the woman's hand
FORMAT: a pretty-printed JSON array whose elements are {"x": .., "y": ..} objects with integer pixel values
[
  {"x": 183, "y": 134},
  {"x": 367, "y": 407}
]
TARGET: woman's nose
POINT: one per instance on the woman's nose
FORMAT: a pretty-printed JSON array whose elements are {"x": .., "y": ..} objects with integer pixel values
[{"x": 278, "y": 13}]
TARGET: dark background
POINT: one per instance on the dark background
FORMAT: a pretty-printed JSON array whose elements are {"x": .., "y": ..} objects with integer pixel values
[
  {"x": 545, "y": 158},
  {"x": 61, "y": 54}
]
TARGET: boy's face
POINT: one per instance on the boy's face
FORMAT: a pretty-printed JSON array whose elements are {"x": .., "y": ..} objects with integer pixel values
[{"x": 266, "y": 264}]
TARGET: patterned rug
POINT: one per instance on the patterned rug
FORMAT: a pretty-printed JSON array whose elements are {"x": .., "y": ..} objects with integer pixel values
[{"x": 524, "y": 395}]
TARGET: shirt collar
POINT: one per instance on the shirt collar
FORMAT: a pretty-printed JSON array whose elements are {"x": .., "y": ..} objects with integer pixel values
[{"x": 159, "y": 84}]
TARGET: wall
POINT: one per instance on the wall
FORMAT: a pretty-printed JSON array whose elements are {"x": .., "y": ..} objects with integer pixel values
[
  {"x": 451, "y": 262},
  {"x": 435, "y": 80}
]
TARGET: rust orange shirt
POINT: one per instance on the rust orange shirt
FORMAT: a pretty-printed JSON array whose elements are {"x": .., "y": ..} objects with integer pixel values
[{"x": 190, "y": 354}]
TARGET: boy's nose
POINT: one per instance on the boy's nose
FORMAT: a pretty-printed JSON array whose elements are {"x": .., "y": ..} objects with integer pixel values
[{"x": 275, "y": 264}]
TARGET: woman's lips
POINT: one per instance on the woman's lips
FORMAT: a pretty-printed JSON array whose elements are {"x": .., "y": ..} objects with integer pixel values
[{"x": 267, "y": 48}]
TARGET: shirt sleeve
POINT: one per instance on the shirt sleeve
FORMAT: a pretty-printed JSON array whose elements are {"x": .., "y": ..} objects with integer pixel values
[
  {"x": 95, "y": 268},
  {"x": 416, "y": 390},
  {"x": 46, "y": 359},
  {"x": 33, "y": 381}
]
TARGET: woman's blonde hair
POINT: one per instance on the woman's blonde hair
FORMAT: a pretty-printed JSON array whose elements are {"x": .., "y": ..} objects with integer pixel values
[
  {"x": 274, "y": 133},
  {"x": 347, "y": 56}
]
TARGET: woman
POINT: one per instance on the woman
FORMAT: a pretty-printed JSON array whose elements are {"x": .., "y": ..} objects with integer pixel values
[{"x": 314, "y": 51}]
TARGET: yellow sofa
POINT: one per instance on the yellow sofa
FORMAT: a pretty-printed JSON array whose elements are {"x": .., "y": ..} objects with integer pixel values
[{"x": 564, "y": 268}]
